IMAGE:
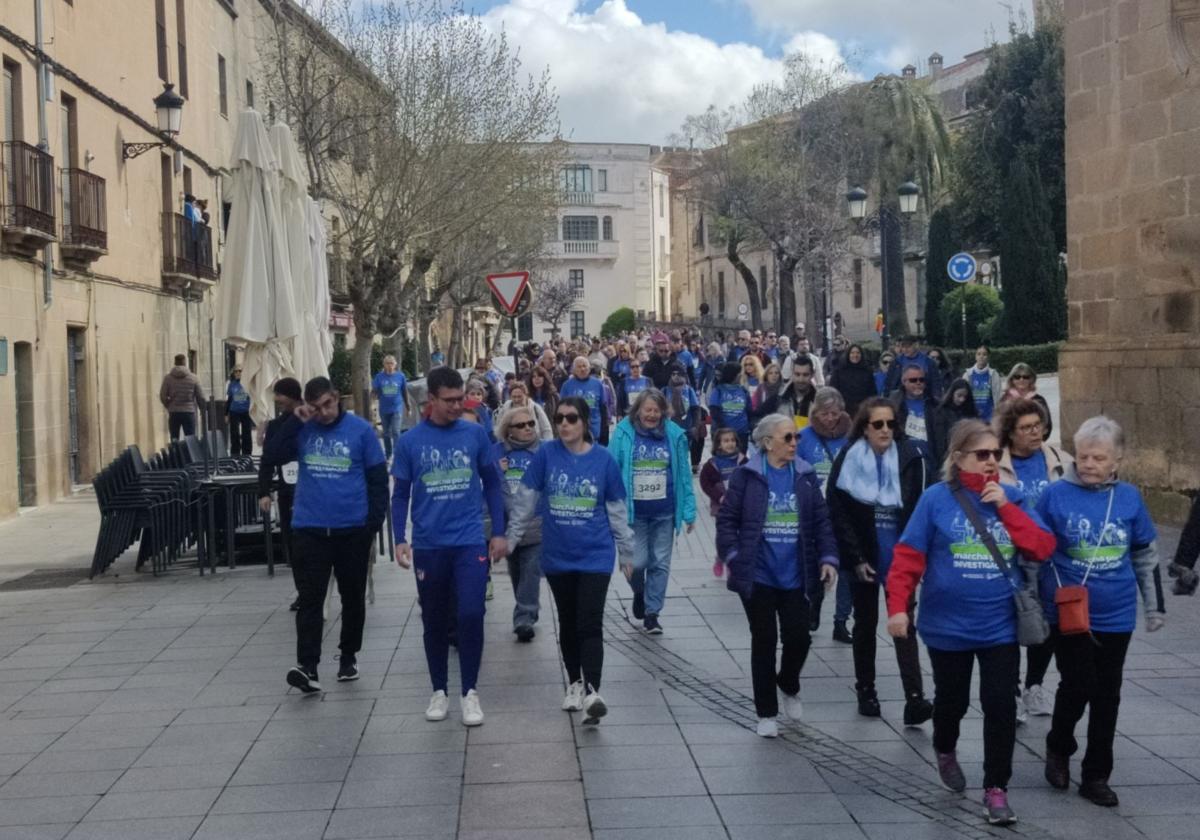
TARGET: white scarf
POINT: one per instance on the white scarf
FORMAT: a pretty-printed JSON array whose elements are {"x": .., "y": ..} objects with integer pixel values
[{"x": 860, "y": 475}]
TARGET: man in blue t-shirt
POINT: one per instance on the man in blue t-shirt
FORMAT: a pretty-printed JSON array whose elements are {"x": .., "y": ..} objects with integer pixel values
[
  {"x": 340, "y": 503},
  {"x": 391, "y": 389},
  {"x": 237, "y": 412},
  {"x": 583, "y": 384},
  {"x": 987, "y": 386},
  {"x": 444, "y": 466},
  {"x": 908, "y": 356},
  {"x": 917, "y": 415}
]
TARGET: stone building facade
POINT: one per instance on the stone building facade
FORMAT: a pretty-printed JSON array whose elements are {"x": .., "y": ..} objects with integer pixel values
[{"x": 1133, "y": 222}]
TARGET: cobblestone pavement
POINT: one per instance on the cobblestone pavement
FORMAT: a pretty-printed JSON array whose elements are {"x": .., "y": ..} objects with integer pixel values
[{"x": 134, "y": 707}]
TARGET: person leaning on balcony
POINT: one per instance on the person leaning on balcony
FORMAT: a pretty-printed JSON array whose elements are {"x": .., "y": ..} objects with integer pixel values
[{"x": 181, "y": 395}]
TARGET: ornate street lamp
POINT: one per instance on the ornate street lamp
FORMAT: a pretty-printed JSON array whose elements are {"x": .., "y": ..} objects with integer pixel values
[
  {"x": 168, "y": 109},
  {"x": 909, "y": 195}
]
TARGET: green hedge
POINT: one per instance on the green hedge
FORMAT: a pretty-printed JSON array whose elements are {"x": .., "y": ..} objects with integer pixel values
[{"x": 1043, "y": 358}]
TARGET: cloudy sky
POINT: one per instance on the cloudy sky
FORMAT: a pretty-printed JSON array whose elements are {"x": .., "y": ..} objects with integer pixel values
[{"x": 631, "y": 70}]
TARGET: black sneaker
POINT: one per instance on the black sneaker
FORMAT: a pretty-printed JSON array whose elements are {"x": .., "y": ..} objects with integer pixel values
[
  {"x": 525, "y": 633},
  {"x": 348, "y": 669},
  {"x": 1058, "y": 770},
  {"x": 304, "y": 679},
  {"x": 639, "y": 606},
  {"x": 841, "y": 634},
  {"x": 917, "y": 710},
  {"x": 868, "y": 702},
  {"x": 651, "y": 625},
  {"x": 1099, "y": 793}
]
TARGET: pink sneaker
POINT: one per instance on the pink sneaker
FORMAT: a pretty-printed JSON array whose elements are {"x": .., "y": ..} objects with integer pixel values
[
  {"x": 719, "y": 569},
  {"x": 995, "y": 803}
]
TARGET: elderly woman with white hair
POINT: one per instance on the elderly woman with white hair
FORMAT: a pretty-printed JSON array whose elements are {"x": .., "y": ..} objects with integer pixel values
[
  {"x": 1105, "y": 554},
  {"x": 772, "y": 529}
]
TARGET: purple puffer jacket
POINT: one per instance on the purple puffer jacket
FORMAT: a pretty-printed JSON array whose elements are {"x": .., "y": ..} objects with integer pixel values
[{"x": 743, "y": 516}]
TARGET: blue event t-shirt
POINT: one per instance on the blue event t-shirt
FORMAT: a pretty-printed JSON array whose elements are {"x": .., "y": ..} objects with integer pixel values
[
  {"x": 887, "y": 534},
  {"x": 734, "y": 402},
  {"x": 653, "y": 484},
  {"x": 516, "y": 462},
  {"x": 635, "y": 385},
  {"x": 966, "y": 602},
  {"x": 576, "y": 535},
  {"x": 331, "y": 491},
  {"x": 237, "y": 398},
  {"x": 443, "y": 463},
  {"x": 778, "y": 564},
  {"x": 981, "y": 390},
  {"x": 726, "y": 464},
  {"x": 620, "y": 368},
  {"x": 592, "y": 393},
  {"x": 819, "y": 452},
  {"x": 916, "y": 426},
  {"x": 1076, "y": 515},
  {"x": 1032, "y": 476},
  {"x": 391, "y": 391},
  {"x": 689, "y": 399},
  {"x": 880, "y": 383}
]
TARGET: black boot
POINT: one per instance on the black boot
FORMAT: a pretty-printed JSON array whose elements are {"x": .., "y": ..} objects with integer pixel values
[
  {"x": 917, "y": 710},
  {"x": 1058, "y": 770},
  {"x": 841, "y": 634},
  {"x": 868, "y": 701},
  {"x": 1098, "y": 792}
]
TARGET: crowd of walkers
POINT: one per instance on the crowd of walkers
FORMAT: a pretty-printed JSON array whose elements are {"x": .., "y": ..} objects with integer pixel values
[{"x": 897, "y": 478}]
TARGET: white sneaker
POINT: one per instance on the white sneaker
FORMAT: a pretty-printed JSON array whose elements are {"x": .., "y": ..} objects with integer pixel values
[
  {"x": 1022, "y": 712},
  {"x": 594, "y": 708},
  {"x": 1037, "y": 703},
  {"x": 767, "y": 728},
  {"x": 471, "y": 711},
  {"x": 439, "y": 706},
  {"x": 792, "y": 707},
  {"x": 573, "y": 702}
]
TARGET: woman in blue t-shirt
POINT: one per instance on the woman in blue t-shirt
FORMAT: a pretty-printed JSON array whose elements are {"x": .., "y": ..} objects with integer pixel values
[
  {"x": 729, "y": 404},
  {"x": 873, "y": 490},
  {"x": 772, "y": 529},
  {"x": 966, "y": 608},
  {"x": 576, "y": 488},
  {"x": 518, "y": 442},
  {"x": 652, "y": 453},
  {"x": 1106, "y": 544},
  {"x": 237, "y": 410}
]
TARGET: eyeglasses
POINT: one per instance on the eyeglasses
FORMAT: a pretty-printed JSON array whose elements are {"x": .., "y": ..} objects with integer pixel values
[
  {"x": 528, "y": 424},
  {"x": 985, "y": 454},
  {"x": 1022, "y": 376},
  {"x": 570, "y": 419},
  {"x": 787, "y": 437},
  {"x": 451, "y": 400},
  {"x": 1030, "y": 429},
  {"x": 879, "y": 424},
  {"x": 914, "y": 380}
]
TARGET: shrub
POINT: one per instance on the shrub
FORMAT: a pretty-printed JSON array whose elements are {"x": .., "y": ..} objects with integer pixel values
[
  {"x": 1043, "y": 358},
  {"x": 620, "y": 321},
  {"x": 983, "y": 305}
]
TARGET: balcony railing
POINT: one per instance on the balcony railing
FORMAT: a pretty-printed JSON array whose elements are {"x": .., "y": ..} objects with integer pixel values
[
  {"x": 585, "y": 249},
  {"x": 187, "y": 248},
  {"x": 85, "y": 214},
  {"x": 578, "y": 198},
  {"x": 28, "y": 189}
]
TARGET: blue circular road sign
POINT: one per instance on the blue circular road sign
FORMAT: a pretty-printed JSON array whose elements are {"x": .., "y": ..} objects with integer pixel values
[{"x": 961, "y": 268}]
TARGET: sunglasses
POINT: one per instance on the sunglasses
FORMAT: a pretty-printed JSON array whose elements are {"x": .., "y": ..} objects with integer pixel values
[
  {"x": 985, "y": 454},
  {"x": 915, "y": 380},
  {"x": 572, "y": 419},
  {"x": 787, "y": 437},
  {"x": 1022, "y": 376},
  {"x": 879, "y": 424},
  {"x": 529, "y": 424}
]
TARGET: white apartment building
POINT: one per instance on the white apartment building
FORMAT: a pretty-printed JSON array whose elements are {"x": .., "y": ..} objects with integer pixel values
[{"x": 613, "y": 238}]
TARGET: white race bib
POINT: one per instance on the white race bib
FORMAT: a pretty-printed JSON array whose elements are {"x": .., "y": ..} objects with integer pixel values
[
  {"x": 649, "y": 486},
  {"x": 290, "y": 472},
  {"x": 914, "y": 427}
]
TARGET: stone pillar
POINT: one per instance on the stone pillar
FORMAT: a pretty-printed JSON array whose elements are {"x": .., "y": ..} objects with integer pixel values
[{"x": 1132, "y": 79}]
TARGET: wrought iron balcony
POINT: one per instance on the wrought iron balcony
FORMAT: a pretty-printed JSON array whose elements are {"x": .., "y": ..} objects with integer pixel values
[
  {"x": 187, "y": 252},
  {"x": 85, "y": 217},
  {"x": 28, "y": 196}
]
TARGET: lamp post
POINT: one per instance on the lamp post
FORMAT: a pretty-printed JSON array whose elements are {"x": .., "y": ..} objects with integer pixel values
[
  {"x": 856, "y": 200},
  {"x": 168, "y": 111}
]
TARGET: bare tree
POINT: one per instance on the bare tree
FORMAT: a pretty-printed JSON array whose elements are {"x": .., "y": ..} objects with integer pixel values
[
  {"x": 428, "y": 129},
  {"x": 553, "y": 298}
]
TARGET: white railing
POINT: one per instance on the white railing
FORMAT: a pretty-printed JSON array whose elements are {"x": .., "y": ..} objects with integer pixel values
[
  {"x": 578, "y": 198},
  {"x": 586, "y": 248}
]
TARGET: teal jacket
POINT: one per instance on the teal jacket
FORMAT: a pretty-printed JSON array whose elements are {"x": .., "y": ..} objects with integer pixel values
[{"x": 621, "y": 447}]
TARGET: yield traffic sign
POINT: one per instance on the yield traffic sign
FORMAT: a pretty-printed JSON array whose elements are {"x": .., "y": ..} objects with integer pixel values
[
  {"x": 508, "y": 288},
  {"x": 961, "y": 268}
]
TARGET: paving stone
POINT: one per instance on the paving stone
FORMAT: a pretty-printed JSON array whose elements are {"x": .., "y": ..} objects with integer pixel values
[
  {"x": 77, "y": 782},
  {"x": 248, "y": 799},
  {"x": 789, "y": 778},
  {"x": 610, "y": 784},
  {"x": 297, "y": 825},
  {"x": 634, "y": 757},
  {"x": 157, "y": 803},
  {"x": 425, "y": 821},
  {"x": 388, "y": 792},
  {"x": 164, "y": 828},
  {"x": 534, "y": 805},
  {"x": 502, "y": 763},
  {"x": 653, "y": 812},
  {"x": 45, "y": 809},
  {"x": 323, "y": 769},
  {"x": 779, "y": 809}
]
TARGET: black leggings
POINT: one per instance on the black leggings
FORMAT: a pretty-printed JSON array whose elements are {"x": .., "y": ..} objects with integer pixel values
[
  {"x": 764, "y": 608},
  {"x": 998, "y": 673},
  {"x": 579, "y": 598},
  {"x": 1037, "y": 662},
  {"x": 866, "y": 625},
  {"x": 1092, "y": 672}
]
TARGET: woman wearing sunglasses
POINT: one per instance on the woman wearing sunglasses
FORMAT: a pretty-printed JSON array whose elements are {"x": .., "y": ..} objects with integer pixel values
[
  {"x": 518, "y": 442},
  {"x": 873, "y": 490},
  {"x": 576, "y": 488},
  {"x": 1022, "y": 382},
  {"x": 966, "y": 607},
  {"x": 772, "y": 529}
]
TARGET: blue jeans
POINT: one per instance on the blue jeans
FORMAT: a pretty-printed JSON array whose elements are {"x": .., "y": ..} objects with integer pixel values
[
  {"x": 652, "y": 539},
  {"x": 456, "y": 576},
  {"x": 525, "y": 569},
  {"x": 391, "y": 430},
  {"x": 845, "y": 600}
]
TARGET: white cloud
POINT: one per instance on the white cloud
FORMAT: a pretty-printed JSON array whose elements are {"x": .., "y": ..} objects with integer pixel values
[
  {"x": 892, "y": 33},
  {"x": 621, "y": 79}
]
